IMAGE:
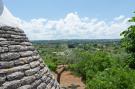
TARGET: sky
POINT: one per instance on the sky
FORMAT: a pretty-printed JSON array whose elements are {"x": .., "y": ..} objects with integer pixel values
[{"x": 72, "y": 19}]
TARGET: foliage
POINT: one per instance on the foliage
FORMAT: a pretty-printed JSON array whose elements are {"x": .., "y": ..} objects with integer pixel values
[
  {"x": 128, "y": 41},
  {"x": 102, "y": 65},
  {"x": 113, "y": 78},
  {"x": 92, "y": 63}
]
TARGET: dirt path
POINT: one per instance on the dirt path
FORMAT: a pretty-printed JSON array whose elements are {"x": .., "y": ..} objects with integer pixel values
[{"x": 70, "y": 81}]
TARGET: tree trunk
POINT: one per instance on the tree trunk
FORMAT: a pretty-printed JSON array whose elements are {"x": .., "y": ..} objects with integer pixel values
[{"x": 59, "y": 71}]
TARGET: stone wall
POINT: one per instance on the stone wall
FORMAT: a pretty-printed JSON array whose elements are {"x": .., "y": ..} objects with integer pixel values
[{"x": 20, "y": 64}]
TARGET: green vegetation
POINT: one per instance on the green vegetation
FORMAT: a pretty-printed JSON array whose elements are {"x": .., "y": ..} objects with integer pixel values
[
  {"x": 102, "y": 64},
  {"x": 129, "y": 41}
]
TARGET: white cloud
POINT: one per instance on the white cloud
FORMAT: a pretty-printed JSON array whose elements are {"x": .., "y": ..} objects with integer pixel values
[
  {"x": 74, "y": 27},
  {"x": 121, "y": 17}
]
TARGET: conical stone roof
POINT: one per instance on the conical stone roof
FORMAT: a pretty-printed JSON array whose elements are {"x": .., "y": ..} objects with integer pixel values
[{"x": 21, "y": 67}]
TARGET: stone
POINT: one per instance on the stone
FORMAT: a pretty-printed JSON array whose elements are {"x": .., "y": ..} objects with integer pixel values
[
  {"x": 16, "y": 75},
  {"x": 2, "y": 39},
  {"x": 28, "y": 80},
  {"x": 4, "y": 64},
  {"x": 12, "y": 85},
  {"x": 21, "y": 67},
  {"x": 25, "y": 87},
  {"x": 42, "y": 86},
  {"x": 42, "y": 65},
  {"x": 9, "y": 56},
  {"x": 34, "y": 64},
  {"x": 22, "y": 61},
  {"x": 15, "y": 69},
  {"x": 17, "y": 48},
  {"x": 36, "y": 83},
  {"x": 38, "y": 75},
  {"x": 37, "y": 57},
  {"x": 32, "y": 71},
  {"x": 30, "y": 48},
  {"x": 4, "y": 43},
  {"x": 26, "y": 53},
  {"x": 26, "y": 43},
  {"x": 2, "y": 80},
  {"x": 3, "y": 49}
]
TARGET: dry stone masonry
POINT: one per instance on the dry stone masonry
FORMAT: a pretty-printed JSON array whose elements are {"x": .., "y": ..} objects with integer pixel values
[{"x": 20, "y": 64}]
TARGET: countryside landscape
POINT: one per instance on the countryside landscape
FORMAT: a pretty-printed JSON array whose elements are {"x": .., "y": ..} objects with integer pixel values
[
  {"x": 100, "y": 64},
  {"x": 67, "y": 44}
]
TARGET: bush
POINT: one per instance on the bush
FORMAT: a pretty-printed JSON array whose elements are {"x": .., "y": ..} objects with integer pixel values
[
  {"x": 91, "y": 64},
  {"x": 98, "y": 62},
  {"x": 112, "y": 78},
  {"x": 52, "y": 66},
  {"x": 102, "y": 70}
]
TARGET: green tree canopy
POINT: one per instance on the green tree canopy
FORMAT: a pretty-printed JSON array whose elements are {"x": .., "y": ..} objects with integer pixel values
[{"x": 128, "y": 40}]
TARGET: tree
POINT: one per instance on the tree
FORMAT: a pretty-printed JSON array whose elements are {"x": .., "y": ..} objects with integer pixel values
[
  {"x": 128, "y": 41},
  {"x": 59, "y": 71}
]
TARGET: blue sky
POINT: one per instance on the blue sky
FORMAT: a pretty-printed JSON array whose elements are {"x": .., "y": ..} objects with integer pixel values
[
  {"x": 54, "y": 9},
  {"x": 72, "y": 19}
]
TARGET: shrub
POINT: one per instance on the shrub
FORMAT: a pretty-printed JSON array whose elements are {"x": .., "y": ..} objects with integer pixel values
[{"x": 112, "y": 78}]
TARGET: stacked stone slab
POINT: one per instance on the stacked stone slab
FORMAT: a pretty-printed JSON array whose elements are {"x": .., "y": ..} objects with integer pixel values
[{"x": 20, "y": 64}]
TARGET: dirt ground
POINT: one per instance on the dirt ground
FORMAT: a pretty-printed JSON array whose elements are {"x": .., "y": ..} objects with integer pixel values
[{"x": 69, "y": 81}]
